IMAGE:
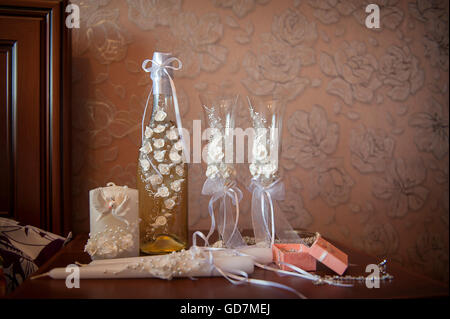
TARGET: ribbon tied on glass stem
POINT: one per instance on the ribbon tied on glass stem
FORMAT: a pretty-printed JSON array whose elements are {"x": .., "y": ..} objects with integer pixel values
[
  {"x": 263, "y": 209},
  {"x": 227, "y": 193}
]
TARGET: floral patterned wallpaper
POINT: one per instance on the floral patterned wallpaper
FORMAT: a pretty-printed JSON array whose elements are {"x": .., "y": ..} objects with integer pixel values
[{"x": 365, "y": 141}]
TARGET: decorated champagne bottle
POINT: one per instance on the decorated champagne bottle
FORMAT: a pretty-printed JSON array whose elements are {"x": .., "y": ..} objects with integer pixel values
[{"x": 162, "y": 172}]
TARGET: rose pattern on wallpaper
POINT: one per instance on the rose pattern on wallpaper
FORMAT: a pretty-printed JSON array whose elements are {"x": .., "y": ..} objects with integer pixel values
[
  {"x": 330, "y": 181},
  {"x": 147, "y": 15},
  {"x": 400, "y": 73},
  {"x": 313, "y": 137},
  {"x": 380, "y": 239},
  {"x": 353, "y": 71},
  {"x": 275, "y": 67},
  {"x": 195, "y": 41},
  {"x": 434, "y": 14},
  {"x": 239, "y": 7},
  {"x": 371, "y": 149},
  {"x": 431, "y": 129},
  {"x": 365, "y": 145},
  {"x": 401, "y": 186}
]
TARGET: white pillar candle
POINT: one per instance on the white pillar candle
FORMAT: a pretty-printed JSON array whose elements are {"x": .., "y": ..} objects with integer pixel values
[{"x": 114, "y": 222}]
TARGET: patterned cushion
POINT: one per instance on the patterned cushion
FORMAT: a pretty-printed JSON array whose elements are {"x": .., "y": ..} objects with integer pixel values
[{"x": 23, "y": 249}]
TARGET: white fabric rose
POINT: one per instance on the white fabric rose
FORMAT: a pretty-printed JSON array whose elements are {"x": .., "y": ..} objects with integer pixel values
[
  {"x": 160, "y": 116},
  {"x": 108, "y": 249},
  {"x": 145, "y": 164},
  {"x": 215, "y": 153},
  {"x": 211, "y": 171},
  {"x": 159, "y": 155},
  {"x": 176, "y": 185},
  {"x": 155, "y": 179},
  {"x": 160, "y": 221},
  {"x": 146, "y": 148},
  {"x": 148, "y": 132},
  {"x": 169, "y": 203},
  {"x": 269, "y": 170},
  {"x": 163, "y": 191},
  {"x": 260, "y": 152},
  {"x": 179, "y": 170},
  {"x": 175, "y": 157},
  {"x": 178, "y": 146},
  {"x": 172, "y": 134},
  {"x": 164, "y": 169},
  {"x": 159, "y": 129},
  {"x": 158, "y": 142},
  {"x": 254, "y": 169},
  {"x": 126, "y": 242}
]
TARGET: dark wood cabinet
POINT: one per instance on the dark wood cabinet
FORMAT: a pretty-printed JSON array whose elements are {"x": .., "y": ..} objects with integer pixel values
[{"x": 35, "y": 114}]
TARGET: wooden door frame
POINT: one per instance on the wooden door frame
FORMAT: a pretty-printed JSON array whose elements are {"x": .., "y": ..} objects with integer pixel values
[{"x": 55, "y": 109}]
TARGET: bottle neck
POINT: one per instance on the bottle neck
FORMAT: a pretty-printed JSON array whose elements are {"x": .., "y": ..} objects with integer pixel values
[
  {"x": 161, "y": 85},
  {"x": 162, "y": 97}
]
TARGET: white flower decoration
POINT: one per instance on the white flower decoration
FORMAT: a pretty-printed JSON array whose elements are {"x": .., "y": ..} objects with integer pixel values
[
  {"x": 178, "y": 146},
  {"x": 155, "y": 179},
  {"x": 160, "y": 221},
  {"x": 158, "y": 142},
  {"x": 164, "y": 169},
  {"x": 159, "y": 129},
  {"x": 172, "y": 134},
  {"x": 215, "y": 153},
  {"x": 159, "y": 155},
  {"x": 254, "y": 169},
  {"x": 260, "y": 152},
  {"x": 179, "y": 170},
  {"x": 269, "y": 169},
  {"x": 146, "y": 148},
  {"x": 211, "y": 171},
  {"x": 145, "y": 164},
  {"x": 160, "y": 116},
  {"x": 175, "y": 157},
  {"x": 127, "y": 241},
  {"x": 163, "y": 191},
  {"x": 148, "y": 132},
  {"x": 176, "y": 185},
  {"x": 169, "y": 203}
]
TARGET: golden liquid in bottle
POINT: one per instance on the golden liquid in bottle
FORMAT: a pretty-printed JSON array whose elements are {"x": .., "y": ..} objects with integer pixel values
[
  {"x": 173, "y": 235},
  {"x": 162, "y": 229}
]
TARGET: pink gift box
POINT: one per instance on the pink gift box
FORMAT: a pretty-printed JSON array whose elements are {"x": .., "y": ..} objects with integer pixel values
[
  {"x": 329, "y": 255},
  {"x": 294, "y": 254}
]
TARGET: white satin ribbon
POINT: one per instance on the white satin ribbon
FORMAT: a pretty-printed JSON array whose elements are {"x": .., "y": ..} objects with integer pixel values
[
  {"x": 265, "y": 195},
  {"x": 220, "y": 191},
  {"x": 157, "y": 70},
  {"x": 238, "y": 277}
]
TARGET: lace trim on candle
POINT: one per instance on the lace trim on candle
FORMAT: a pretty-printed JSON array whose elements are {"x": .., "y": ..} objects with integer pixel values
[{"x": 112, "y": 241}]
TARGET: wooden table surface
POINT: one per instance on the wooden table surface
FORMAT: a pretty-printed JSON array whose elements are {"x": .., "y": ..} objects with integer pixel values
[{"x": 404, "y": 285}]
